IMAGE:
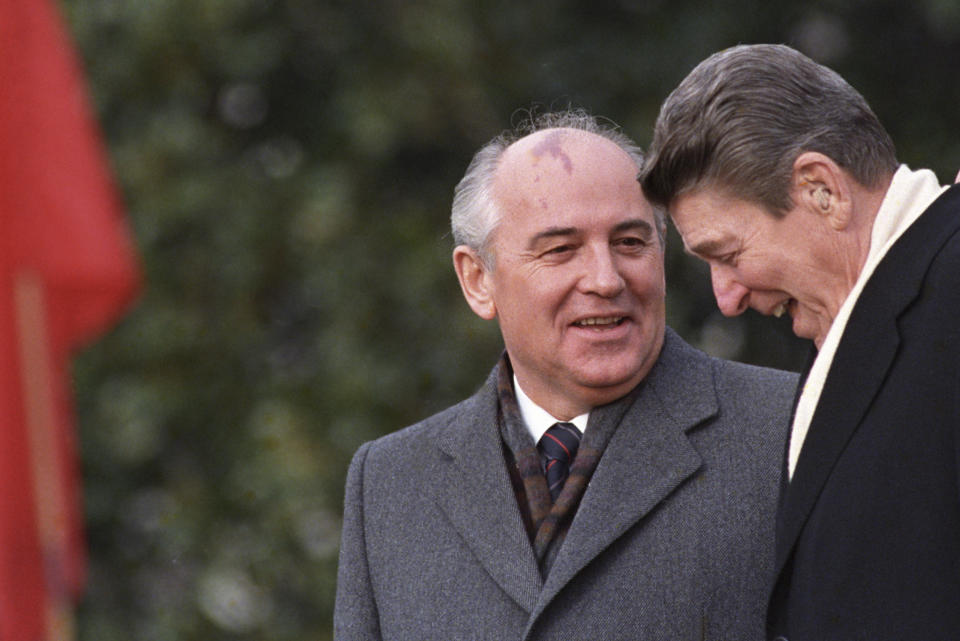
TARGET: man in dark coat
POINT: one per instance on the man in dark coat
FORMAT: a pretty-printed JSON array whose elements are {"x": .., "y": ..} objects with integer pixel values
[{"x": 777, "y": 173}]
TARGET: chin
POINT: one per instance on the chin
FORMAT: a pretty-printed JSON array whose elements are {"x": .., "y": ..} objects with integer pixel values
[
  {"x": 804, "y": 330},
  {"x": 616, "y": 371},
  {"x": 808, "y": 333},
  {"x": 611, "y": 380}
]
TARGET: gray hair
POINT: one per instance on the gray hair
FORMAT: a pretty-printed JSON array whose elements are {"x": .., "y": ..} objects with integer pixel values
[
  {"x": 741, "y": 118},
  {"x": 475, "y": 213}
]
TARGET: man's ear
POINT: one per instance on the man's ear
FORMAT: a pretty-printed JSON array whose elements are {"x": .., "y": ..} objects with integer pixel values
[
  {"x": 475, "y": 281},
  {"x": 819, "y": 185}
]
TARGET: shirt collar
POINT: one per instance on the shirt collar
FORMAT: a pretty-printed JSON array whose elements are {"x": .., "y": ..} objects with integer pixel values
[{"x": 539, "y": 420}]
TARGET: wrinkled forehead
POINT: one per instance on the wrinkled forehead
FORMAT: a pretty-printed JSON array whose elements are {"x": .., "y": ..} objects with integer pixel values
[{"x": 712, "y": 197}]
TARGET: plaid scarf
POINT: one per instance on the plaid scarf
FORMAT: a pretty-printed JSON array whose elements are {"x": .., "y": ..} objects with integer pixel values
[{"x": 547, "y": 522}]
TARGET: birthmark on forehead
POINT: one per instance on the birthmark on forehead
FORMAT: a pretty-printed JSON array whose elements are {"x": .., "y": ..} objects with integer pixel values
[{"x": 552, "y": 144}]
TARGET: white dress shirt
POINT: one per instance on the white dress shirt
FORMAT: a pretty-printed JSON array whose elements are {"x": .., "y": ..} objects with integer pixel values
[{"x": 539, "y": 420}]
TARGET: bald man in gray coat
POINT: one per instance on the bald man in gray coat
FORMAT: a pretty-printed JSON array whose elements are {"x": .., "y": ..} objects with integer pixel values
[{"x": 659, "y": 524}]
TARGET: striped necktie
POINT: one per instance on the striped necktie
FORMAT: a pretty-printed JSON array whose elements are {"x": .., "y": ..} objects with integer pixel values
[{"x": 558, "y": 447}]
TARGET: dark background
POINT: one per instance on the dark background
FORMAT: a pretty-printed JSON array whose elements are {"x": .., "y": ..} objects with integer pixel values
[{"x": 288, "y": 167}]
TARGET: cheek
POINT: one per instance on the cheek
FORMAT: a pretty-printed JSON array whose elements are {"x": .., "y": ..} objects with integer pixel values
[
  {"x": 648, "y": 282},
  {"x": 754, "y": 275},
  {"x": 521, "y": 301},
  {"x": 542, "y": 291}
]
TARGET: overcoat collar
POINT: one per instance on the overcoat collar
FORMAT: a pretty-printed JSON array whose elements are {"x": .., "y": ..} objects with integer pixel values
[
  {"x": 475, "y": 492},
  {"x": 647, "y": 458}
]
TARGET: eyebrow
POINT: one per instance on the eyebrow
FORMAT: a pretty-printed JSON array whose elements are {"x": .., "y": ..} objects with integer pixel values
[
  {"x": 551, "y": 232},
  {"x": 633, "y": 224},
  {"x": 706, "y": 248}
]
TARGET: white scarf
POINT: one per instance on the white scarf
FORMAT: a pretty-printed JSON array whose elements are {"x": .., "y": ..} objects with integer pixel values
[{"x": 909, "y": 195}]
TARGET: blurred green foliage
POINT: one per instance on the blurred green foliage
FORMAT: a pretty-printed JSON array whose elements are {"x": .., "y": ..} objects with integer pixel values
[{"x": 288, "y": 168}]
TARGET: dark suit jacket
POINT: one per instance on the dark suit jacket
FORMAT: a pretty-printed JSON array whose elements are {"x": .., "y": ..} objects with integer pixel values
[
  {"x": 868, "y": 540},
  {"x": 673, "y": 539}
]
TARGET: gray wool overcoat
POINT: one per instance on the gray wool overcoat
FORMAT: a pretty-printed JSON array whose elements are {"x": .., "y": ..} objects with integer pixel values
[{"x": 673, "y": 539}]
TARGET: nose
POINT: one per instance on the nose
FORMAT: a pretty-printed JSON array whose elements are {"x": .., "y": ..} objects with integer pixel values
[
  {"x": 602, "y": 275},
  {"x": 732, "y": 297}
]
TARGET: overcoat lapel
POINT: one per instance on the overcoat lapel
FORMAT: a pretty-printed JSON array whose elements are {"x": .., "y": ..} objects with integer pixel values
[
  {"x": 862, "y": 360},
  {"x": 857, "y": 372},
  {"x": 475, "y": 492},
  {"x": 646, "y": 460}
]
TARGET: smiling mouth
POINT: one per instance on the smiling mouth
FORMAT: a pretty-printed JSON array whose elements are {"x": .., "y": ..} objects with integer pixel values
[{"x": 600, "y": 322}]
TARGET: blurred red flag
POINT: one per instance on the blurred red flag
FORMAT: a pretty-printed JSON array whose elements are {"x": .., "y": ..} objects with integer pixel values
[{"x": 67, "y": 272}]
